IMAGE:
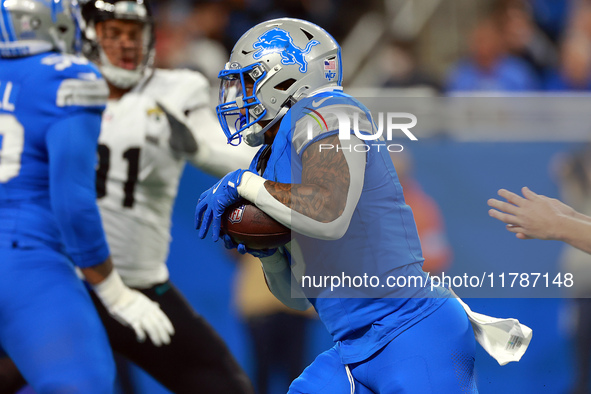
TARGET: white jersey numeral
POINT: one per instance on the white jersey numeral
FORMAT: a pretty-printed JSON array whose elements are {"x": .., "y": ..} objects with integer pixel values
[{"x": 12, "y": 141}]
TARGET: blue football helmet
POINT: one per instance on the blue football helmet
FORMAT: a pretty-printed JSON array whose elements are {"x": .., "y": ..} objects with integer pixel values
[
  {"x": 272, "y": 66},
  {"x": 28, "y": 27}
]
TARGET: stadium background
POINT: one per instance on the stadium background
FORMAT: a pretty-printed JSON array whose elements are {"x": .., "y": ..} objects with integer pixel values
[{"x": 417, "y": 45}]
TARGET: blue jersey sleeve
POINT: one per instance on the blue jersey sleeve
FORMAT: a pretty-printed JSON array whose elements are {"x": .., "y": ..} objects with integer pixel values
[
  {"x": 72, "y": 145},
  {"x": 68, "y": 84}
]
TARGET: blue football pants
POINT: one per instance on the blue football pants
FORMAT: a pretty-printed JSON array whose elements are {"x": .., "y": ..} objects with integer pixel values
[
  {"x": 49, "y": 326},
  {"x": 436, "y": 355}
]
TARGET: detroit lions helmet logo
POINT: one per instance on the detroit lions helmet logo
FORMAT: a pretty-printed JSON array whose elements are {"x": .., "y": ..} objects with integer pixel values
[{"x": 279, "y": 41}]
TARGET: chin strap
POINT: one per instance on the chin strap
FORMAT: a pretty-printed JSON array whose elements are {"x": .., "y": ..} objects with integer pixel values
[
  {"x": 276, "y": 119},
  {"x": 256, "y": 138}
]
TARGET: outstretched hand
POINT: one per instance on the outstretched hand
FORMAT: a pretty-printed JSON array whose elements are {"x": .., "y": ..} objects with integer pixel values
[
  {"x": 214, "y": 201},
  {"x": 530, "y": 216}
]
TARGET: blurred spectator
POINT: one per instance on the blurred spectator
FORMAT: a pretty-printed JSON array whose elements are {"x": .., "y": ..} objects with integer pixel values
[
  {"x": 488, "y": 67},
  {"x": 170, "y": 34},
  {"x": 551, "y": 15},
  {"x": 278, "y": 333},
  {"x": 191, "y": 36},
  {"x": 399, "y": 68},
  {"x": 522, "y": 37},
  {"x": 436, "y": 249},
  {"x": 204, "y": 29},
  {"x": 575, "y": 65}
]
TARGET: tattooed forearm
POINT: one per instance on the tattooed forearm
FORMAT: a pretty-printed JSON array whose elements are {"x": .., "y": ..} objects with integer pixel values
[{"x": 325, "y": 182}]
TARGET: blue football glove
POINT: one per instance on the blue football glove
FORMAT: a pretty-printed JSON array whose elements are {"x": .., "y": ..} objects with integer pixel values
[
  {"x": 214, "y": 201},
  {"x": 243, "y": 249}
]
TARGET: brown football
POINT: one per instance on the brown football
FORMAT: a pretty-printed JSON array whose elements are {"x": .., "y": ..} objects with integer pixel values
[{"x": 246, "y": 224}]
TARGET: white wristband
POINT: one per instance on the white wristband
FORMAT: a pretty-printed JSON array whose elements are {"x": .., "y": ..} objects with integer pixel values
[
  {"x": 250, "y": 185},
  {"x": 110, "y": 289}
]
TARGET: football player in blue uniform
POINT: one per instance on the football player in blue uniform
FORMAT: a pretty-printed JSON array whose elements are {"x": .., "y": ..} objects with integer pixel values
[
  {"x": 323, "y": 171},
  {"x": 50, "y": 114}
]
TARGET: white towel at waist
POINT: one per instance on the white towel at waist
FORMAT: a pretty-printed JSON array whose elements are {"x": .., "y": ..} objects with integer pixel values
[{"x": 505, "y": 340}]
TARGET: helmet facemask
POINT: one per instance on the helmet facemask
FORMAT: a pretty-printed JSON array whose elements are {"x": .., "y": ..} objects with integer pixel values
[{"x": 239, "y": 109}]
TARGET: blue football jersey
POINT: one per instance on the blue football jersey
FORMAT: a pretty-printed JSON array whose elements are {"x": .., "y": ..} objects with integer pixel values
[
  {"x": 39, "y": 94},
  {"x": 381, "y": 239}
]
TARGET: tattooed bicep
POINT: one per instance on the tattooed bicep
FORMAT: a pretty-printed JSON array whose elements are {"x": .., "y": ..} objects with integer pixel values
[
  {"x": 326, "y": 167},
  {"x": 322, "y": 195}
]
